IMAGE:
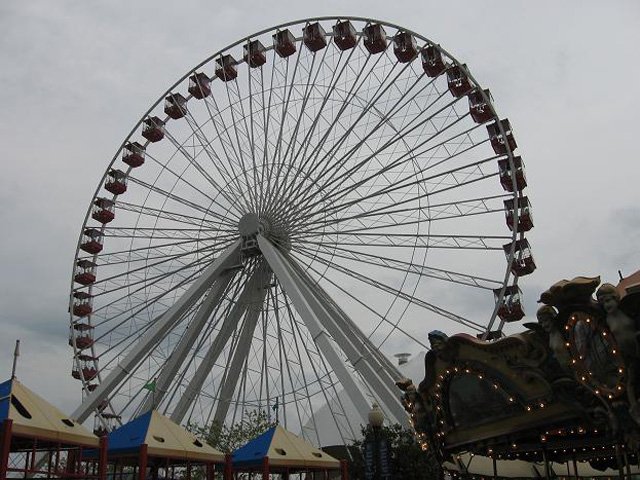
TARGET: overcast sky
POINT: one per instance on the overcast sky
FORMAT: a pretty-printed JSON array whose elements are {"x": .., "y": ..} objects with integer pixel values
[{"x": 75, "y": 76}]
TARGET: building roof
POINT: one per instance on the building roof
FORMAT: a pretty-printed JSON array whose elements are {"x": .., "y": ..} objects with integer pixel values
[
  {"x": 33, "y": 416},
  {"x": 633, "y": 279},
  {"x": 284, "y": 449},
  {"x": 163, "y": 438}
]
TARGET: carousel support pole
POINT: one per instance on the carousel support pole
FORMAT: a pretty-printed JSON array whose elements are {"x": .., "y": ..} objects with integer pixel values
[
  {"x": 228, "y": 467},
  {"x": 265, "y": 468},
  {"x": 495, "y": 466},
  {"x": 344, "y": 470},
  {"x": 619, "y": 462},
  {"x": 102, "y": 459},
  {"x": 5, "y": 447},
  {"x": 626, "y": 463},
  {"x": 547, "y": 471},
  {"x": 575, "y": 467},
  {"x": 142, "y": 462}
]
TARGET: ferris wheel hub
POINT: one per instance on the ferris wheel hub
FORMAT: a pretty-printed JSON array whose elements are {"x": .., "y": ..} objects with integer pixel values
[{"x": 251, "y": 225}]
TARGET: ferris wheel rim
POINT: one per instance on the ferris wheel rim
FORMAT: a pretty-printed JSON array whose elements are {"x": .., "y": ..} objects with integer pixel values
[{"x": 240, "y": 42}]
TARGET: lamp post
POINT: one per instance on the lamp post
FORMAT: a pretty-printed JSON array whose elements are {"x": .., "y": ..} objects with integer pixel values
[{"x": 376, "y": 419}]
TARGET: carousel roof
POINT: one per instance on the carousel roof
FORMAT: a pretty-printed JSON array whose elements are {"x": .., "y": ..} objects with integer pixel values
[
  {"x": 284, "y": 449},
  {"x": 33, "y": 416},
  {"x": 163, "y": 438}
]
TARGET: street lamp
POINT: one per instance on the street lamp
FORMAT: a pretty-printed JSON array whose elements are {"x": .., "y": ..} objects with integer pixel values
[{"x": 376, "y": 419}]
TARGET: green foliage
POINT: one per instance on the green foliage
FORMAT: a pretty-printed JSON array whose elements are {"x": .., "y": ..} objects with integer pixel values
[
  {"x": 227, "y": 439},
  {"x": 408, "y": 460}
]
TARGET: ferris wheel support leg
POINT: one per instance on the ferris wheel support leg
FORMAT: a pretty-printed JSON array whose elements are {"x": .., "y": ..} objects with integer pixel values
[
  {"x": 243, "y": 346},
  {"x": 313, "y": 323},
  {"x": 356, "y": 335},
  {"x": 194, "y": 329},
  {"x": 226, "y": 330},
  {"x": 382, "y": 386},
  {"x": 163, "y": 324}
]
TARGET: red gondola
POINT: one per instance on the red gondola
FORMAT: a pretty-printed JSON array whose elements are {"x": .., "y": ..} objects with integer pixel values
[
  {"x": 199, "y": 85},
  {"x": 116, "y": 182},
  {"x": 510, "y": 309},
  {"x": 504, "y": 168},
  {"x": 103, "y": 210},
  {"x": 375, "y": 38},
  {"x": 314, "y": 37},
  {"x": 92, "y": 386},
  {"x": 432, "y": 61},
  {"x": 254, "y": 53},
  {"x": 133, "y": 154},
  {"x": 82, "y": 305},
  {"x": 523, "y": 263},
  {"x": 175, "y": 105},
  {"x": 153, "y": 129},
  {"x": 405, "y": 47},
  {"x": 458, "y": 80},
  {"x": 82, "y": 333},
  {"x": 84, "y": 368},
  {"x": 478, "y": 107},
  {"x": 226, "y": 68},
  {"x": 86, "y": 272},
  {"x": 525, "y": 220},
  {"x": 497, "y": 140},
  {"x": 91, "y": 241},
  {"x": 284, "y": 43},
  {"x": 344, "y": 35}
]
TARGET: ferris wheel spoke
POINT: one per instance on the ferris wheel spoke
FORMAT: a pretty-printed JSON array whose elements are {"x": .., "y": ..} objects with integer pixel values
[
  {"x": 191, "y": 159},
  {"x": 181, "y": 177},
  {"x": 389, "y": 289},
  {"x": 109, "y": 285},
  {"x": 313, "y": 323},
  {"x": 407, "y": 216},
  {"x": 221, "y": 312},
  {"x": 151, "y": 252},
  {"x": 454, "y": 178},
  {"x": 323, "y": 387},
  {"x": 416, "y": 179},
  {"x": 180, "y": 200},
  {"x": 240, "y": 154},
  {"x": 178, "y": 355},
  {"x": 162, "y": 326},
  {"x": 412, "y": 268},
  {"x": 368, "y": 368},
  {"x": 282, "y": 120},
  {"x": 382, "y": 318},
  {"x": 244, "y": 343},
  {"x": 216, "y": 161},
  {"x": 310, "y": 86},
  {"x": 395, "y": 240},
  {"x": 131, "y": 305},
  {"x": 334, "y": 181},
  {"x": 300, "y": 154},
  {"x": 322, "y": 163},
  {"x": 147, "y": 233},
  {"x": 312, "y": 157},
  {"x": 229, "y": 324}
]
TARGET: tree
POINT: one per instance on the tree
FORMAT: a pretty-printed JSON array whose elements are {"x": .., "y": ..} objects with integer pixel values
[
  {"x": 408, "y": 460},
  {"x": 227, "y": 439}
]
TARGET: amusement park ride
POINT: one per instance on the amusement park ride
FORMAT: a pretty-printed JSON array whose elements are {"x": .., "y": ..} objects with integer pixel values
[
  {"x": 294, "y": 210},
  {"x": 286, "y": 215}
]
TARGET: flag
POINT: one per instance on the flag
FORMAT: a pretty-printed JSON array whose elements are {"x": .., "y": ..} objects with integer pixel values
[
  {"x": 151, "y": 386},
  {"x": 275, "y": 406}
]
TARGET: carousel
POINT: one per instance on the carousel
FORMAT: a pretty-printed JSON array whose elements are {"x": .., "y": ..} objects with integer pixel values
[{"x": 557, "y": 400}]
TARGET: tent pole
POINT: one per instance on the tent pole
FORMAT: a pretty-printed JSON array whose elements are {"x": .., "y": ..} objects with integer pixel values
[
  {"x": 265, "y": 468},
  {"x": 102, "y": 459},
  {"x": 142, "y": 462},
  {"x": 5, "y": 446}
]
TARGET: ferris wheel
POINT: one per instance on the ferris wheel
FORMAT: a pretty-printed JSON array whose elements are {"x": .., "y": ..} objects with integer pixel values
[{"x": 290, "y": 213}]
